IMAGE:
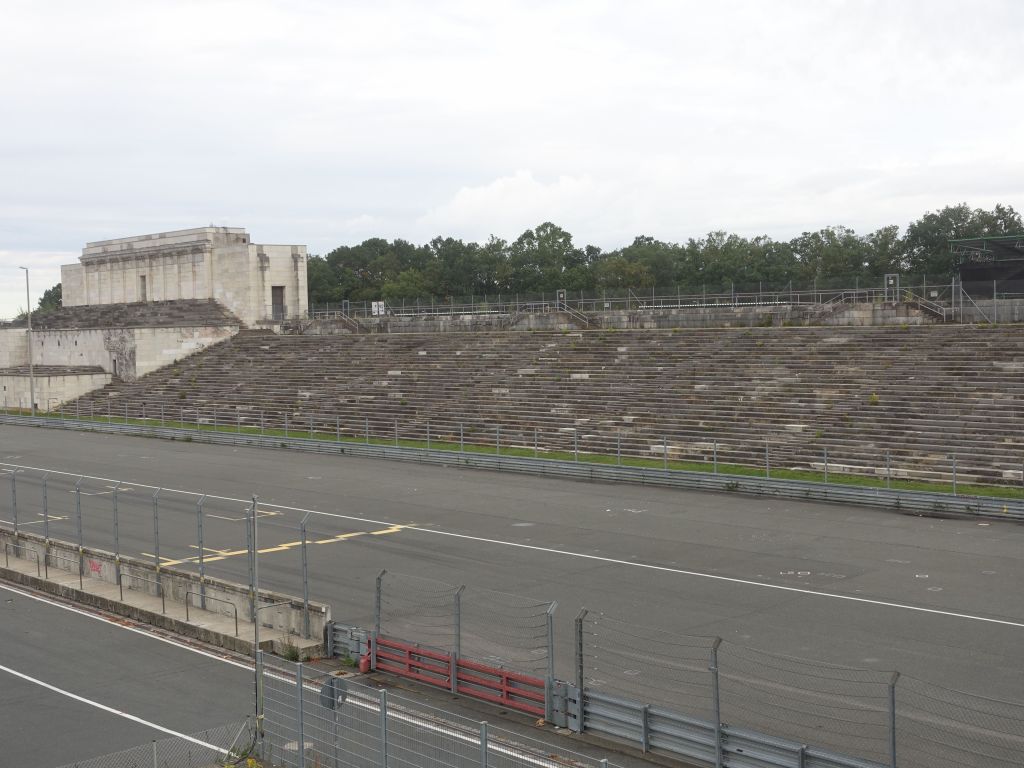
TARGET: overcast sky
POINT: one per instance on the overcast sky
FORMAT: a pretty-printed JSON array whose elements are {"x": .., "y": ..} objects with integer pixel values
[{"x": 324, "y": 123}]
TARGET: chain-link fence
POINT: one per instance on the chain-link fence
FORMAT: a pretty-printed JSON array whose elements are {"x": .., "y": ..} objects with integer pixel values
[
  {"x": 643, "y": 663},
  {"x": 876, "y": 717},
  {"x": 939, "y": 727},
  {"x": 836, "y": 454},
  {"x": 497, "y": 628},
  {"x": 313, "y": 718},
  {"x": 128, "y": 534},
  {"x": 225, "y": 745}
]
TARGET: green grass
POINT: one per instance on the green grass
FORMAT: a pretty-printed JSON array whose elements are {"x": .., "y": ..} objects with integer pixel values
[{"x": 863, "y": 481}]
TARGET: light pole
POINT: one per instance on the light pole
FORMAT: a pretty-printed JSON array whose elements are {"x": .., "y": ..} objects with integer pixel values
[{"x": 31, "y": 371}]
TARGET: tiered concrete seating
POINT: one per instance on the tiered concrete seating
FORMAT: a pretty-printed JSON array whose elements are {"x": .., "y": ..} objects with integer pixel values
[
  {"x": 920, "y": 393},
  {"x": 183, "y": 313}
]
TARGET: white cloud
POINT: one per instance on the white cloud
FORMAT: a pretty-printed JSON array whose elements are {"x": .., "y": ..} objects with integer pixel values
[{"x": 324, "y": 123}]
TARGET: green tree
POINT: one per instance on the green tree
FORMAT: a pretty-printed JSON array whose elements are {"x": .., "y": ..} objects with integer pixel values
[
  {"x": 926, "y": 243},
  {"x": 51, "y": 299}
]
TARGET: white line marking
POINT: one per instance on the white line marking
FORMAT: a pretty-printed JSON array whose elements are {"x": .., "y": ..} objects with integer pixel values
[
  {"x": 615, "y": 561},
  {"x": 119, "y": 625},
  {"x": 111, "y": 710}
]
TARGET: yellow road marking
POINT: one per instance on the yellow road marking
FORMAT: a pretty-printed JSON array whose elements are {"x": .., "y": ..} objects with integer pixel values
[{"x": 226, "y": 553}]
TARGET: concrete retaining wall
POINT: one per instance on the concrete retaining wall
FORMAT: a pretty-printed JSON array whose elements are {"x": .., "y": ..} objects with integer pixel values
[
  {"x": 50, "y": 391},
  {"x": 143, "y": 577},
  {"x": 712, "y": 316}
]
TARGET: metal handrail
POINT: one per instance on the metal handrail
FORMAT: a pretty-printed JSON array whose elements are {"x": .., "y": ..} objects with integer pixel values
[
  {"x": 76, "y": 560},
  {"x": 216, "y": 599},
  {"x": 159, "y": 586},
  {"x": 8, "y": 546}
]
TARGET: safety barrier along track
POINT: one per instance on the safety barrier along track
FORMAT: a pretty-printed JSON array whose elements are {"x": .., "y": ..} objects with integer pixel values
[{"x": 912, "y": 502}]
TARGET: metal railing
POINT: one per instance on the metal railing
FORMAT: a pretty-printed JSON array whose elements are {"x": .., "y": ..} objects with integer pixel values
[
  {"x": 206, "y": 598},
  {"x": 125, "y": 573},
  {"x": 312, "y": 718},
  {"x": 9, "y": 547},
  {"x": 827, "y": 480}
]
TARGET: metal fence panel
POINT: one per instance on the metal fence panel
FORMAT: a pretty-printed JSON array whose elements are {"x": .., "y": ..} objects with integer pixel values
[
  {"x": 646, "y": 664},
  {"x": 833, "y": 707},
  {"x": 941, "y": 728},
  {"x": 200, "y": 750},
  {"x": 923, "y": 502},
  {"x": 407, "y": 734}
]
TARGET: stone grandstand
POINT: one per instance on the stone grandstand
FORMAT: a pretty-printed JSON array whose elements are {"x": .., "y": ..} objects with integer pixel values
[
  {"x": 922, "y": 394},
  {"x": 152, "y": 314}
]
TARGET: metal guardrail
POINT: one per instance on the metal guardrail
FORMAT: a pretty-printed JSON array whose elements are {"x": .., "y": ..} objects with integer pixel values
[
  {"x": 915, "y": 502},
  {"x": 668, "y": 732}
]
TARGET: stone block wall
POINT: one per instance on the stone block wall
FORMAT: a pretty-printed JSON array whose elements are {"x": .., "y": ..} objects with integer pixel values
[
  {"x": 205, "y": 263},
  {"x": 51, "y": 390}
]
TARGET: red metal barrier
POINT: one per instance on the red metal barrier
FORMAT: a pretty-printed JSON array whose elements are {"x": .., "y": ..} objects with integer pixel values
[
  {"x": 408, "y": 660},
  {"x": 480, "y": 681},
  {"x": 501, "y": 686}
]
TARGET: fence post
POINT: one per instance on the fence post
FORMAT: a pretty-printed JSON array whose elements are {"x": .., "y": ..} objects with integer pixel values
[
  {"x": 549, "y": 678},
  {"x": 156, "y": 760},
  {"x": 250, "y": 548},
  {"x": 497, "y": 440},
  {"x": 46, "y": 529},
  {"x": 117, "y": 539},
  {"x": 396, "y": 433},
  {"x": 767, "y": 460},
  {"x": 286, "y": 425},
  {"x": 301, "y": 725},
  {"x": 202, "y": 554},
  {"x": 483, "y": 744},
  {"x": 714, "y": 457},
  {"x": 366, "y": 429},
  {"x": 383, "y": 708},
  {"x": 428, "y": 437},
  {"x": 618, "y": 450},
  {"x": 337, "y": 429},
  {"x": 156, "y": 530},
  {"x": 954, "y": 474},
  {"x": 716, "y": 701},
  {"x": 238, "y": 423},
  {"x": 376, "y": 618},
  {"x": 261, "y": 422},
  {"x": 664, "y": 453},
  {"x": 888, "y": 469},
  {"x": 535, "y": 442},
  {"x": 892, "y": 719},
  {"x": 578, "y": 653},
  {"x": 462, "y": 441},
  {"x": 456, "y": 654},
  {"x": 161, "y": 414},
  {"x": 305, "y": 579},
  {"x": 576, "y": 445},
  {"x": 825, "y": 450},
  {"x": 14, "y": 499},
  {"x": 78, "y": 522}
]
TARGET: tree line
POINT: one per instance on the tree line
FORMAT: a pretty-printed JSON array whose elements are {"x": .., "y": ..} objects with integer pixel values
[{"x": 545, "y": 258}]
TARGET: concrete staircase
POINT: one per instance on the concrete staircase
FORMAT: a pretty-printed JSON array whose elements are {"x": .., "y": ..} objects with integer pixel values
[{"x": 920, "y": 393}]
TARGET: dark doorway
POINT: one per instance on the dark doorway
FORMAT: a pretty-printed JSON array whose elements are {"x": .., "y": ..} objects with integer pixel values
[{"x": 277, "y": 301}]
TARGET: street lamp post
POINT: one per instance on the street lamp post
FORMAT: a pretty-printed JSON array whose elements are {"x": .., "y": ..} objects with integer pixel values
[{"x": 31, "y": 371}]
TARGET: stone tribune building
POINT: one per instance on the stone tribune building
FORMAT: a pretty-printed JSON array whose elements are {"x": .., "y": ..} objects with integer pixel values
[
  {"x": 135, "y": 304},
  {"x": 257, "y": 283}
]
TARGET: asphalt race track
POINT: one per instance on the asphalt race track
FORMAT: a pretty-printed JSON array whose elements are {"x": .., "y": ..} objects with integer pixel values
[
  {"x": 936, "y": 599},
  {"x": 62, "y": 671}
]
